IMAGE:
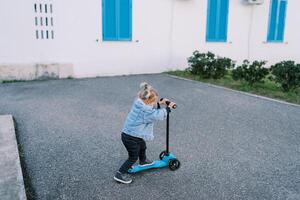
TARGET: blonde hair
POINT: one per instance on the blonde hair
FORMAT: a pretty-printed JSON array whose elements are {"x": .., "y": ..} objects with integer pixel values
[{"x": 147, "y": 92}]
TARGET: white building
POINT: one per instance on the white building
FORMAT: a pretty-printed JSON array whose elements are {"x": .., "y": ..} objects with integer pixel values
[{"x": 113, "y": 37}]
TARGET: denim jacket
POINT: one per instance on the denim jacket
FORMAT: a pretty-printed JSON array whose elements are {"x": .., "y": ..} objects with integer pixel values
[{"x": 139, "y": 121}]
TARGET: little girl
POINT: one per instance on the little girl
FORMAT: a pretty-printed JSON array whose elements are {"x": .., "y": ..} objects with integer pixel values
[{"x": 138, "y": 127}]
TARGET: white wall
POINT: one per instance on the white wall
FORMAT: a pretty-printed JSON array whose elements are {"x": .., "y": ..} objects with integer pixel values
[
  {"x": 77, "y": 26},
  {"x": 274, "y": 52},
  {"x": 246, "y": 37},
  {"x": 146, "y": 53},
  {"x": 156, "y": 45}
]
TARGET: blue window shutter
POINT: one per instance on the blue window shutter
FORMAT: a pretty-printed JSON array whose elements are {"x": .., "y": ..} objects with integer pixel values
[
  {"x": 116, "y": 20},
  {"x": 217, "y": 18},
  {"x": 222, "y": 34},
  {"x": 272, "y": 20},
  {"x": 277, "y": 21},
  {"x": 211, "y": 20},
  {"x": 109, "y": 19},
  {"x": 281, "y": 20},
  {"x": 125, "y": 19}
]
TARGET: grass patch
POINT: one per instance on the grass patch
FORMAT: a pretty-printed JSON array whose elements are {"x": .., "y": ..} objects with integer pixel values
[
  {"x": 12, "y": 81},
  {"x": 267, "y": 88}
]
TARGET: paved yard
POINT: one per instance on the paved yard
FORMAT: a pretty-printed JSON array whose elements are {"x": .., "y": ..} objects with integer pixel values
[{"x": 231, "y": 146}]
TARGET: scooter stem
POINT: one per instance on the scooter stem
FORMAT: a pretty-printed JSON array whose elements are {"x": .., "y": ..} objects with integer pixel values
[{"x": 167, "y": 139}]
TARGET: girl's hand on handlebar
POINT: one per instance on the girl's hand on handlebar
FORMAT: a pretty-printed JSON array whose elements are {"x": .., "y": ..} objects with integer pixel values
[{"x": 163, "y": 101}]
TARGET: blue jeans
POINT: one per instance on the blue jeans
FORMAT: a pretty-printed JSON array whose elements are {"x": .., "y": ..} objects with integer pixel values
[{"x": 136, "y": 148}]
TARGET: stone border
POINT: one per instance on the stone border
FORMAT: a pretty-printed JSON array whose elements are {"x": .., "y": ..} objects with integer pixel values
[
  {"x": 11, "y": 178},
  {"x": 229, "y": 89}
]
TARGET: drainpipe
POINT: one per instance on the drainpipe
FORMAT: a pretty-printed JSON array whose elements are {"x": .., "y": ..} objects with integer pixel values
[
  {"x": 171, "y": 34},
  {"x": 250, "y": 33}
]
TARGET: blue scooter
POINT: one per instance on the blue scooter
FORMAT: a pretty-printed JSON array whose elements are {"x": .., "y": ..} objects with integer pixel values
[{"x": 166, "y": 159}]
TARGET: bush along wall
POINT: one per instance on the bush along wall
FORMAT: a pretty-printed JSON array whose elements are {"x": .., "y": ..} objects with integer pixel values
[
  {"x": 287, "y": 74},
  {"x": 250, "y": 72},
  {"x": 208, "y": 65}
]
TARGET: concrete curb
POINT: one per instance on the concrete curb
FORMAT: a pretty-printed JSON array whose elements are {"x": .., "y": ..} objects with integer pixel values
[
  {"x": 245, "y": 93},
  {"x": 11, "y": 177}
]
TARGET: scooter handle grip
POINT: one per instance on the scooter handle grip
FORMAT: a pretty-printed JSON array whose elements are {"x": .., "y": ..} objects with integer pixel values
[{"x": 168, "y": 103}]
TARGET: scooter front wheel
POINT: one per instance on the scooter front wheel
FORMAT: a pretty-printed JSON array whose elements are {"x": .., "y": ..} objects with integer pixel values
[
  {"x": 162, "y": 154},
  {"x": 174, "y": 164}
]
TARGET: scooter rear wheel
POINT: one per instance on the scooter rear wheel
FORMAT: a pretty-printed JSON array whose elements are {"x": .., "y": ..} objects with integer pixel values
[
  {"x": 162, "y": 154},
  {"x": 174, "y": 164}
]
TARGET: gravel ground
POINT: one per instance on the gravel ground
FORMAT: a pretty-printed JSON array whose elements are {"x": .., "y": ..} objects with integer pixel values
[{"x": 231, "y": 146}]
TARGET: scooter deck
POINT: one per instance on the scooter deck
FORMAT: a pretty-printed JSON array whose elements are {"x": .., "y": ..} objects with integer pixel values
[{"x": 157, "y": 164}]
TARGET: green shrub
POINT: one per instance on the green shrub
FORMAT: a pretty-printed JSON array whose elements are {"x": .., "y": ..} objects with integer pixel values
[
  {"x": 250, "y": 72},
  {"x": 221, "y": 66},
  {"x": 200, "y": 63},
  {"x": 208, "y": 65},
  {"x": 287, "y": 74}
]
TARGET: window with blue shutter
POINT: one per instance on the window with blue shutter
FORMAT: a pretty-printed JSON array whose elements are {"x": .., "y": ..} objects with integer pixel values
[
  {"x": 116, "y": 20},
  {"x": 217, "y": 18},
  {"x": 276, "y": 21}
]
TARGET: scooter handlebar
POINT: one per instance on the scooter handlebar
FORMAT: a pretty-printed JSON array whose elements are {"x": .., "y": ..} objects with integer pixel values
[{"x": 174, "y": 106}]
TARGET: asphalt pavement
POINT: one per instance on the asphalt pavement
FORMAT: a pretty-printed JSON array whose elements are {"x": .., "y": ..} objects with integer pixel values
[{"x": 231, "y": 145}]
